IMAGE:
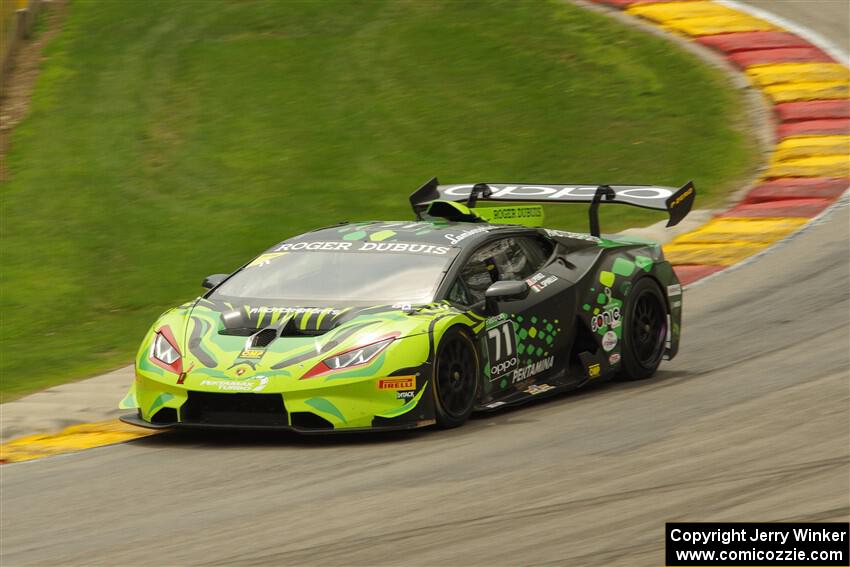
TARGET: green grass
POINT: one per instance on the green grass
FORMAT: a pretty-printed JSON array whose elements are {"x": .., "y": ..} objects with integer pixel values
[{"x": 170, "y": 140}]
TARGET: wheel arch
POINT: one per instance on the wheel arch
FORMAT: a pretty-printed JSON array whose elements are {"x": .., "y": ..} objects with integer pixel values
[{"x": 657, "y": 281}]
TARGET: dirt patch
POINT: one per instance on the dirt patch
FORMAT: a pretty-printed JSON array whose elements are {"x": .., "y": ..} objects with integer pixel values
[{"x": 26, "y": 63}]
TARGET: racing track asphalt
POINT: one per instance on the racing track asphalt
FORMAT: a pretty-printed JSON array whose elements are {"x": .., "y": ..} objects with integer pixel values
[{"x": 750, "y": 422}]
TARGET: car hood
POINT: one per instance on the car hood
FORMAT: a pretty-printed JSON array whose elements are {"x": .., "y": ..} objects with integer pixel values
[{"x": 222, "y": 340}]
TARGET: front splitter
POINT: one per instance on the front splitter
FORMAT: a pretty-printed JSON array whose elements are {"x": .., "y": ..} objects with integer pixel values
[{"x": 134, "y": 419}]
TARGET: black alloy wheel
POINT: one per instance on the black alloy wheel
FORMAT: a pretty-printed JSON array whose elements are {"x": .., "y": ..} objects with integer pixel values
[
  {"x": 645, "y": 330},
  {"x": 456, "y": 378}
]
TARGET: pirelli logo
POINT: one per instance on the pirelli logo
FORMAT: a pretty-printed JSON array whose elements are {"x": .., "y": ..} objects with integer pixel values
[{"x": 397, "y": 383}]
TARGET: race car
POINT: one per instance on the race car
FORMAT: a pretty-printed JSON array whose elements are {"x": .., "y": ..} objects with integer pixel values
[{"x": 396, "y": 325}]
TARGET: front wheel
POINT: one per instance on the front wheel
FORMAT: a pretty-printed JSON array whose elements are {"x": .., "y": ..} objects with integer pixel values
[
  {"x": 644, "y": 331},
  {"x": 456, "y": 381}
]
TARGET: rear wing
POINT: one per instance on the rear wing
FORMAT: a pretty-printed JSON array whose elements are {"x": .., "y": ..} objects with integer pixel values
[{"x": 676, "y": 202}]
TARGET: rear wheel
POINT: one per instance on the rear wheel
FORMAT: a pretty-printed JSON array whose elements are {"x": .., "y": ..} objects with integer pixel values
[
  {"x": 456, "y": 381},
  {"x": 644, "y": 331}
]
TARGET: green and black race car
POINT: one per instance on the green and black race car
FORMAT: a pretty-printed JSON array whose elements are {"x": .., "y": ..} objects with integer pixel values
[{"x": 397, "y": 325}]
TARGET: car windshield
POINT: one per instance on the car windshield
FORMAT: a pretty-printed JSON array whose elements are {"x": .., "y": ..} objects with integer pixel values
[{"x": 318, "y": 278}]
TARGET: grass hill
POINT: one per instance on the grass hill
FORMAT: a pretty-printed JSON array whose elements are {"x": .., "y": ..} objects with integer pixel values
[{"x": 170, "y": 140}]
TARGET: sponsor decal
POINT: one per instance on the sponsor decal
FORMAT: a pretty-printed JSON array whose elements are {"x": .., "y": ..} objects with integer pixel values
[
  {"x": 403, "y": 247},
  {"x": 252, "y": 353},
  {"x": 454, "y": 239},
  {"x": 507, "y": 213},
  {"x": 295, "y": 310},
  {"x": 338, "y": 246},
  {"x": 318, "y": 245},
  {"x": 539, "y": 281},
  {"x": 575, "y": 235},
  {"x": 405, "y": 395},
  {"x": 555, "y": 192},
  {"x": 397, "y": 383},
  {"x": 528, "y": 215},
  {"x": 494, "y": 405},
  {"x": 594, "y": 370},
  {"x": 674, "y": 289},
  {"x": 532, "y": 369},
  {"x": 681, "y": 198},
  {"x": 614, "y": 359},
  {"x": 535, "y": 389},
  {"x": 501, "y": 348},
  {"x": 493, "y": 321},
  {"x": 256, "y": 384},
  {"x": 609, "y": 318},
  {"x": 609, "y": 341},
  {"x": 675, "y": 304},
  {"x": 498, "y": 369}
]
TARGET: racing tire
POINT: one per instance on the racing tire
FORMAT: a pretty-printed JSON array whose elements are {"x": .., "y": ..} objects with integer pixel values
[
  {"x": 456, "y": 381},
  {"x": 644, "y": 331}
]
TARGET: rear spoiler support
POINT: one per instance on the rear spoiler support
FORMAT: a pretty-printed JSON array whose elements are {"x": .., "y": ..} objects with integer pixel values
[
  {"x": 593, "y": 212},
  {"x": 478, "y": 189}
]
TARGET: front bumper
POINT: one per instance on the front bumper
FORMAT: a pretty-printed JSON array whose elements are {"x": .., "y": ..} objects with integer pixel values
[{"x": 317, "y": 406}]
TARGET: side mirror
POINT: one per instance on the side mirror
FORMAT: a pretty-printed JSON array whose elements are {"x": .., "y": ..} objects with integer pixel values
[
  {"x": 507, "y": 291},
  {"x": 213, "y": 280}
]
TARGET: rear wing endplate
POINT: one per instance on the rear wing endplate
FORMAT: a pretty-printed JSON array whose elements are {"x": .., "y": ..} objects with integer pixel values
[{"x": 676, "y": 202}]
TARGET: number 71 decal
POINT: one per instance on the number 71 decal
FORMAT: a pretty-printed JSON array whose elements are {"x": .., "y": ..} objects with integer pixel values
[{"x": 501, "y": 349}]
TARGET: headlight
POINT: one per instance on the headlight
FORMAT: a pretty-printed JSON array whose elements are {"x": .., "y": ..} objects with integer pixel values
[
  {"x": 164, "y": 352},
  {"x": 354, "y": 357},
  {"x": 347, "y": 359}
]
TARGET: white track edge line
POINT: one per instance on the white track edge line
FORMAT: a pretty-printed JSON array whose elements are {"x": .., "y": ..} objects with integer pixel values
[
  {"x": 811, "y": 36},
  {"x": 824, "y": 215},
  {"x": 836, "y": 53}
]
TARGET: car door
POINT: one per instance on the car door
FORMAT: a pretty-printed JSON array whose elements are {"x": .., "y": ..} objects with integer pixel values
[{"x": 522, "y": 343}]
